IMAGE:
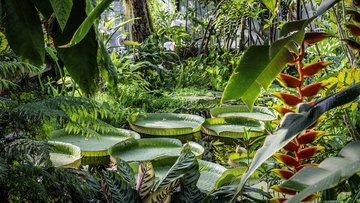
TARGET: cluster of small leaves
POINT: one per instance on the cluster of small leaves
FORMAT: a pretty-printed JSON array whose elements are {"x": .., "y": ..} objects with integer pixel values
[
  {"x": 12, "y": 71},
  {"x": 77, "y": 114},
  {"x": 178, "y": 185},
  {"x": 26, "y": 175}
]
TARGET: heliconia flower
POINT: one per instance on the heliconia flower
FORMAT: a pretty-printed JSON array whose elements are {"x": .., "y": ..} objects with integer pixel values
[
  {"x": 295, "y": 57},
  {"x": 288, "y": 80},
  {"x": 354, "y": 29},
  {"x": 308, "y": 137},
  {"x": 313, "y": 89},
  {"x": 278, "y": 188},
  {"x": 314, "y": 37},
  {"x": 286, "y": 159},
  {"x": 278, "y": 199},
  {"x": 321, "y": 118},
  {"x": 283, "y": 174},
  {"x": 311, "y": 197},
  {"x": 282, "y": 110},
  {"x": 311, "y": 102},
  {"x": 314, "y": 68},
  {"x": 291, "y": 147},
  {"x": 309, "y": 152},
  {"x": 304, "y": 165},
  {"x": 288, "y": 99}
]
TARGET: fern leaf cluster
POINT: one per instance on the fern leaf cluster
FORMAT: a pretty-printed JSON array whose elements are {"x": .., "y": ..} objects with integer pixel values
[
  {"x": 14, "y": 70},
  {"x": 26, "y": 151},
  {"x": 79, "y": 115}
]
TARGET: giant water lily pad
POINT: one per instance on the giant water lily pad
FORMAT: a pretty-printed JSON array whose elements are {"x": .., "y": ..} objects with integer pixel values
[
  {"x": 94, "y": 146},
  {"x": 64, "y": 154},
  {"x": 258, "y": 113},
  {"x": 165, "y": 124},
  {"x": 232, "y": 127},
  {"x": 151, "y": 148}
]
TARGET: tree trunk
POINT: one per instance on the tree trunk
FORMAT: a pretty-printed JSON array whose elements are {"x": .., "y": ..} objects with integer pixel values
[{"x": 141, "y": 28}]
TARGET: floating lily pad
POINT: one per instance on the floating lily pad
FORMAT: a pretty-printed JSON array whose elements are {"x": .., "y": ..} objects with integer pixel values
[
  {"x": 64, "y": 154},
  {"x": 258, "y": 112},
  {"x": 151, "y": 148},
  {"x": 94, "y": 146},
  {"x": 165, "y": 124},
  {"x": 232, "y": 127}
]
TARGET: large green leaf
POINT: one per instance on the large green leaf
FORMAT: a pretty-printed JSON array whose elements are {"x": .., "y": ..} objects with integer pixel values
[
  {"x": 254, "y": 71},
  {"x": 163, "y": 195},
  {"x": 88, "y": 23},
  {"x": 64, "y": 154},
  {"x": 186, "y": 167},
  {"x": 209, "y": 175},
  {"x": 328, "y": 174},
  {"x": 294, "y": 123},
  {"x": 165, "y": 124},
  {"x": 116, "y": 189},
  {"x": 209, "y": 172},
  {"x": 260, "y": 65},
  {"x": 272, "y": 5},
  {"x": 257, "y": 112},
  {"x": 232, "y": 127},
  {"x": 62, "y": 10},
  {"x": 81, "y": 59},
  {"x": 150, "y": 148},
  {"x": 145, "y": 179},
  {"x": 94, "y": 146},
  {"x": 125, "y": 171},
  {"x": 23, "y": 31}
]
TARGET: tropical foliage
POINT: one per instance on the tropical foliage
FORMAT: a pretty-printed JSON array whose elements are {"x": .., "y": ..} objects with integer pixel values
[{"x": 256, "y": 89}]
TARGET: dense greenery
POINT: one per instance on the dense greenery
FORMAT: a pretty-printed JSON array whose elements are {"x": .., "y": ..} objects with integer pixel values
[{"x": 88, "y": 67}]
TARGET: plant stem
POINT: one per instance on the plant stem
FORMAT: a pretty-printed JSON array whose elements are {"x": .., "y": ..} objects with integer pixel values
[
  {"x": 347, "y": 50},
  {"x": 352, "y": 129}
]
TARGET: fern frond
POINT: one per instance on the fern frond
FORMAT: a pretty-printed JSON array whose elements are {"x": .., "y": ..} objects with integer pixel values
[
  {"x": 118, "y": 190},
  {"x": 27, "y": 151},
  {"x": 6, "y": 84},
  {"x": 80, "y": 115},
  {"x": 6, "y": 103},
  {"x": 68, "y": 185},
  {"x": 10, "y": 69}
]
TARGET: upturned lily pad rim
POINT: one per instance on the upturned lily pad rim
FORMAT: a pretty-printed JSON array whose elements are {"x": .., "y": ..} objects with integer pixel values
[
  {"x": 176, "y": 144},
  {"x": 127, "y": 134},
  {"x": 268, "y": 112},
  {"x": 165, "y": 131},
  {"x": 209, "y": 127},
  {"x": 68, "y": 149}
]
